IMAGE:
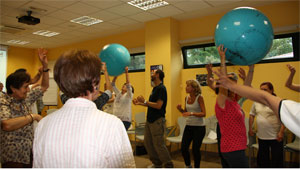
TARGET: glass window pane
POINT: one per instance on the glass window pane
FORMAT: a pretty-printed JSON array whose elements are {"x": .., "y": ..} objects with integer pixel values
[
  {"x": 137, "y": 62},
  {"x": 203, "y": 55},
  {"x": 281, "y": 48}
]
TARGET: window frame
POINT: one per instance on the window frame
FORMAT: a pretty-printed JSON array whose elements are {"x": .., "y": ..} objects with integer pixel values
[
  {"x": 295, "y": 40},
  {"x": 137, "y": 70}
]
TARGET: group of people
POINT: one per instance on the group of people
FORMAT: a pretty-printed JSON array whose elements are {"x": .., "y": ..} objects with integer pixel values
[{"x": 80, "y": 134}]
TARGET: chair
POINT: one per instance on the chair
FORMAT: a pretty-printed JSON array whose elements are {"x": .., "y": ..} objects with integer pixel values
[
  {"x": 49, "y": 111},
  {"x": 181, "y": 121},
  {"x": 210, "y": 126},
  {"x": 292, "y": 147},
  {"x": 140, "y": 122}
]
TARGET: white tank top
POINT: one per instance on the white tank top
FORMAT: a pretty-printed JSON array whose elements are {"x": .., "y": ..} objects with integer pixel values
[{"x": 195, "y": 107}]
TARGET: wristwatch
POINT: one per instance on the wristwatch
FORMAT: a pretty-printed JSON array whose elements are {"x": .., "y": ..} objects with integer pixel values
[{"x": 46, "y": 70}]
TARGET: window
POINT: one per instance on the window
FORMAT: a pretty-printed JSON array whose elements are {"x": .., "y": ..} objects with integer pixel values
[
  {"x": 3, "y": 64},
  {"x": 137, "y": 62},
  {"x": 284, "y": 48}
]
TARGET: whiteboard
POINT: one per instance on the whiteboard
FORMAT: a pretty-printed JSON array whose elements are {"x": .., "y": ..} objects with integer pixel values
[{"x": 50, "y": 96}]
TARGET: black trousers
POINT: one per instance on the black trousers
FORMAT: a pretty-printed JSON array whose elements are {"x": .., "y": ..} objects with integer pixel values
[
  {"x": 195, "y": 134},
  {"x": 223, "y": 161},
  {"x": 236, "y": 159},
  {"x": 263, "y": 155}
]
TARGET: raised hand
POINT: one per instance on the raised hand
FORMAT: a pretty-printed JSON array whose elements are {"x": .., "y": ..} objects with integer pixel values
[
  {"x": 209, "y": 68},
  {"x": 222, "y": 51},
  {"x": 43, "y": 57},
  {"x": 291, "y": 68}
]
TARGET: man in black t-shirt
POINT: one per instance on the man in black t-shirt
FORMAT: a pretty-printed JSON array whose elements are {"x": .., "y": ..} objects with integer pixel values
[{"x": 155, "y": 125}]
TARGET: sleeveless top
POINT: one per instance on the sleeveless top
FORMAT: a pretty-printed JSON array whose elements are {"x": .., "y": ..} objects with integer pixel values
[{"x": 194, "y": 107}]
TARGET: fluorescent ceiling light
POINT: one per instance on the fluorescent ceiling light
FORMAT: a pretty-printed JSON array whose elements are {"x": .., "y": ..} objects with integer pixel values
[
  {"x": 148, "y": 4},
  {"x": 86, "y": 20},
  {"x": 17, "y": 42},
  {"x": 46, "y": 33}
]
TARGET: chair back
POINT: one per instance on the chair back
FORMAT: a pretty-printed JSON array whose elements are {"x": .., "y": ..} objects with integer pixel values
[
  {"x": 51, "y": 111},
  {"x": 297, "y": 140},
  {"x": 140, "y": 118},
  {"x": 210, "y": 124},
  {"x": 181, "y": 123}
]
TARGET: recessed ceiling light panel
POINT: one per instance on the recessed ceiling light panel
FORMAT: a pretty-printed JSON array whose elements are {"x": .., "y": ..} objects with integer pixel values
[
  {"x": 148, "y": 4},
  {"x": 86, "y": 20}
]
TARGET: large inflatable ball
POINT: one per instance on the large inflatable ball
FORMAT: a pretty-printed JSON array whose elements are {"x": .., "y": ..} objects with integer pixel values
[
  {"x": 246, "y": 33},
  {"x": 116, "y": 58}
]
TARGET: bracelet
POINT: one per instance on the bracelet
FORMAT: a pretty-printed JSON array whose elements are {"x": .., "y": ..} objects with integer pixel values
[
  {"x": 46, "y": 70},
  {"x": 31, "y": 117}
]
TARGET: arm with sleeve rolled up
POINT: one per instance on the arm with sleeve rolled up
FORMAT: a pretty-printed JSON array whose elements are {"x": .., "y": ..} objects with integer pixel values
[{"x": 17, "y": 122}]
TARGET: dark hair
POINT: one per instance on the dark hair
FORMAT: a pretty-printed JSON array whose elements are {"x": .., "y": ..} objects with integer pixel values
[
  {"x": 16, "y": 80},
  {"x": 132, "y": 89},
  {"x": 270, "y": 86},
  {"x": 77, "y": 72},
  {"x": 20, "y": 70},
  {"x": 161, "y": 74}
]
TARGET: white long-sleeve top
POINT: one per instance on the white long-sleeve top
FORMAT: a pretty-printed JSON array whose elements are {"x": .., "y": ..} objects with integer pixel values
[
  {"x": 80, "y": 136},
  {"x": 122, "y": 103}
]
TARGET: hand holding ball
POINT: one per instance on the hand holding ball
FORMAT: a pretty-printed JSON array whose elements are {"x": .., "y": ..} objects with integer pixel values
[{"x": 116, "y": 58}]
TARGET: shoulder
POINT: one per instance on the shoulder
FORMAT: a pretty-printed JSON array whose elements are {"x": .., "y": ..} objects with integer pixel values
[{"x": 5, "y": 99}]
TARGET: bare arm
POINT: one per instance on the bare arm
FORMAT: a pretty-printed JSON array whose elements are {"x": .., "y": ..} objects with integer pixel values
[
  {"x": 141, "y": 101},
  {"x": 19, "y": 122},
  {"x": 107, "y": 81},
  {"x": 250, "y": 93},
  {"x": 289, "y": 82},
  {"x": 251, "y": 120},
  {"x": 37, "y": 76},
  {"x": 210, "y": 82},
  {"x": 44, "y": 60},
  {"x": 222, "y": 96}
]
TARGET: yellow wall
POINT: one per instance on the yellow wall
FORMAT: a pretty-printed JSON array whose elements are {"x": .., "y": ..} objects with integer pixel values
[
  {"x": 22, "y": 58},
  {"x": 160, "y": 39}
]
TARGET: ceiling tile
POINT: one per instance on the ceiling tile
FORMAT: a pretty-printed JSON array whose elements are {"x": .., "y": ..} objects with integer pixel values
[
  {"x": 165, "y": 11},
  {"x": 188, "y": 6},
  {"x": 103, "y": 4},
  {"x": 51, "y": 20},
  {"x": 14, "y": 3},
  {"x": 215, "y": 3},
  {"x": 81, "y": 8},
  {"x": 125, "y": 10},
  {"x": 123, "y": 21},
  {"x": 37, "y": 9},
  {"x": 105, "y": 15},
  {"x": 105, "y": 26},
  {"x": 57, "y": 3},
  {"x": 64, "y": 15},
  {"x": 143, "y": 17}
]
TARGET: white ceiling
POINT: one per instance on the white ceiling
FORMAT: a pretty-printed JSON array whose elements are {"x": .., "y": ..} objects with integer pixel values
[{"x": 118, "y": 16}]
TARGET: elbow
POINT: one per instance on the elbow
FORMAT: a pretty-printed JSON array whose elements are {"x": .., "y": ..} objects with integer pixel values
[{"x": 6, "y": 127}]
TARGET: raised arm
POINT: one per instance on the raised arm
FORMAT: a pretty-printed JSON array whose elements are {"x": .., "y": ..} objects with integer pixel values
[
  {"x": 44, "y": 61},
  {"x": 37, "y": 77},
  {"x": 107, "y": 81},
  {"x": 222, "y": 96},
  {"x": 248, "y": 92},
  {"x": 247, "y": 78},
  {"x": 289, "y": 82},
  {"x": 209, "y": 81}
]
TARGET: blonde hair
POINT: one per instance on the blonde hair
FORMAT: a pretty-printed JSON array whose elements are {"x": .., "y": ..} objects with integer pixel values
[{"x": 196, "y": 85}]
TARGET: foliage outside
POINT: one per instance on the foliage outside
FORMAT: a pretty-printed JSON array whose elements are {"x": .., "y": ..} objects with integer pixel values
[
  {"x": 281, "y": 48},
  {"x": 137, "y": 62}
]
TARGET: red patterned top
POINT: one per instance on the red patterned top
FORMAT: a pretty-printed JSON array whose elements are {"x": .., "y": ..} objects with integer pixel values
[{"x": 232, "y": 126}]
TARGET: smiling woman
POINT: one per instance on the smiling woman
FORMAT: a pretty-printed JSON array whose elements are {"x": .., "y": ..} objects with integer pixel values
[{"x": 16, "y": 117}]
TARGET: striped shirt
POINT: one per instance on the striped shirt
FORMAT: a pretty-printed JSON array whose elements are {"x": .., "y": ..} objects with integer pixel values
[{"x": 80, "y": 136}]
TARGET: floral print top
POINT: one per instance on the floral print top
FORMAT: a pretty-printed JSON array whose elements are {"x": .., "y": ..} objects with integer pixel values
[{"x": 16, "y": 146}]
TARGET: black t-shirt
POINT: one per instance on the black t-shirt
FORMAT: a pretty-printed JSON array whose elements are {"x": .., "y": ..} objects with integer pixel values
[{"x": 158, "y": 93}]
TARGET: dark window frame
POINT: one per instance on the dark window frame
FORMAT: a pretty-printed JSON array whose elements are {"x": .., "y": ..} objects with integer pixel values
[
  {"x": 295, "y": 39},
  {"x": 132, "y": 56}
]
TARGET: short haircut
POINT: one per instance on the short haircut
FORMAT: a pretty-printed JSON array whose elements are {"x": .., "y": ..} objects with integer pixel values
[
  {"x": 16, "y": 80},
  {"x": 161, "y": 74},
  {"x": 76, "y": 72},
  {"x": 270, "y": 86},
  {"x": 21, "y": 70},
  {"x": 196, "y": 85}
]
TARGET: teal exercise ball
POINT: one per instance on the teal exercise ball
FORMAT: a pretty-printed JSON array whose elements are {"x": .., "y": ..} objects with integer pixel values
[
  {"x": 116, "y": 57},
  {"x": 246, "y": 33}
]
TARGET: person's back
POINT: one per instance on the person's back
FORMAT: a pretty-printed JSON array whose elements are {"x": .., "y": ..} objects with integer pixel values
[{"x": 81, "y": 136}]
